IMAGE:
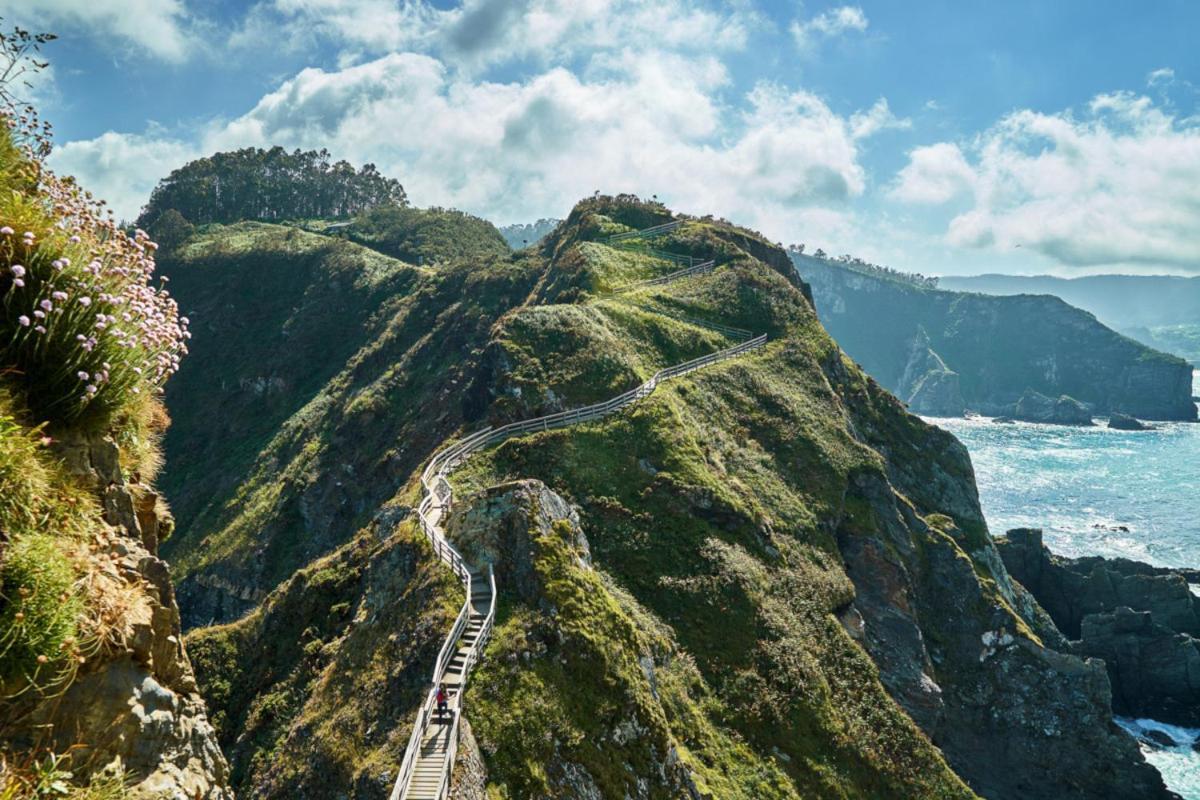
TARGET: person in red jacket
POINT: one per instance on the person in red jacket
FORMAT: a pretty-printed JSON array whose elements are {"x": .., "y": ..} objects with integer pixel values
[{"x": 443, "y": 700}]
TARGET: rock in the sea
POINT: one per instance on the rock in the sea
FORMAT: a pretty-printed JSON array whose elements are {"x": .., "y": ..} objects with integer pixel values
[
  {"x": 1155, "y": 736},
  {"x": 1124, "y": 422},
  {"x": 1141, "y": 620},
  {"x": 1037, "y": 407},
  {"x": 1155, "y": 671}
]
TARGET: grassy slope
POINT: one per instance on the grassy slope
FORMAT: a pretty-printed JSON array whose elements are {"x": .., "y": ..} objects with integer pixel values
[
  {"x": 315, "y": 690},
  {"x": 306, "y": 348},
  {"x": 718, "y": 513},
  {"x": 729, "y": 589},
  {"x": 712, "y": 504}
]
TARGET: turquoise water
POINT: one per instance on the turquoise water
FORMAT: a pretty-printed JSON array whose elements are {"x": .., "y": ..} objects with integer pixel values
[{"x": 1082, "y": 486}]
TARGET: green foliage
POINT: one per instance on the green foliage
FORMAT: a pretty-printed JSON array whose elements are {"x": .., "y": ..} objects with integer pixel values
[
  {"x": 256, "y": 184},
  {"x": 315, "y": 690},
  {"x": 43, "y": 519},
  {"x": 713, "y": 509},
  {"x": 170, "y": 230},
  {"x": 49, "y": 776},
  {"x": 554, "y": 689},
  {"x": 311, "y": 346},
  {"x": 711, "y": 504},
  {"x": 39, "y": 611},
  {"x": 427, "y": 235}
]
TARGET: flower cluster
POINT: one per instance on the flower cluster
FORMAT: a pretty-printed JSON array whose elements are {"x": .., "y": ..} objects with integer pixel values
[{"x": 81, "y": 320}]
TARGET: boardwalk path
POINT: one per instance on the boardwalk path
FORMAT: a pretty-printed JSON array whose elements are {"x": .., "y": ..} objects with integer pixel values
[{"x": 429, "y": 758}]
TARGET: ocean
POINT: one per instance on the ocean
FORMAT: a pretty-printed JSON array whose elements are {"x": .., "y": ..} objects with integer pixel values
[{"x": 1096, "y": 491}]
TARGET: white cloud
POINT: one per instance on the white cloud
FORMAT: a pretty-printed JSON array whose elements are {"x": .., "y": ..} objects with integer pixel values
[
  {"x": 122, "y": 168},
  {"x": 1161, "y": 75},
  {"x": 1117, "y": 186},
  {"x": 156, "y": 26},
  {"x": 479, "y": 33},
  {"x": 934, "y": 174},
  {"x": 877, "y": 118},
  {"x": 651, "y": 123},
  {"x": 828, "y": 25}
]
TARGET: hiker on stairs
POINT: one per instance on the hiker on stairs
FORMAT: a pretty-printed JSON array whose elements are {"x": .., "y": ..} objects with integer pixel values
[{"x": 443, "y": 700}]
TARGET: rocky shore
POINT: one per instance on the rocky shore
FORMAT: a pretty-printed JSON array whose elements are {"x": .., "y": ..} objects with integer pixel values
[{"x": 1143, "y": 621}]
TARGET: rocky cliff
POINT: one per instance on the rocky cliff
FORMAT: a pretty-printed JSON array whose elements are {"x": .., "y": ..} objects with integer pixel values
[
  {"x": 1143, "y": 621},
  {"x": 131, "y": 707},
  {"x": 998, "y": 346},
  {"x": 765, "y": 580}
]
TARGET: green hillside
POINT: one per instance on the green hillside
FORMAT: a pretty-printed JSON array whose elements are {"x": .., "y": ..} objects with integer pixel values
[{"x": 743, "y": 524}]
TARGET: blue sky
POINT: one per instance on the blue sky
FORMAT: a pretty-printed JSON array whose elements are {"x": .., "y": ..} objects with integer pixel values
[{"x": 943, "y": 137}]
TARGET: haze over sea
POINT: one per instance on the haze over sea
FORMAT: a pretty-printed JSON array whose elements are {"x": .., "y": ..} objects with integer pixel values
[{"x": 1096, "y": 491}]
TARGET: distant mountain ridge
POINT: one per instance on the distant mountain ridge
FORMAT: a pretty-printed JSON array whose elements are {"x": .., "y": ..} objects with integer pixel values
[
  {"x": 1162, "y": 311},
  {"x": 1120, "y": 301},
  {"x": 943, "y": 351},
  {"x": 521, "y": 235}
]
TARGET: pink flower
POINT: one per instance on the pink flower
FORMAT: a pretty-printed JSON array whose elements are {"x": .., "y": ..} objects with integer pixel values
[
  {"x": 85, "y": 301},
  {"x": 19, "y": 283},
  {"x": 23, "y": 320},
  {"x": 6, "y": 231},
  {"x": 40, "y": 328},
  {"x": 83, "y": 376},
  {"x": 59, "y": 296},
  {"x": 47, "y": 305}
]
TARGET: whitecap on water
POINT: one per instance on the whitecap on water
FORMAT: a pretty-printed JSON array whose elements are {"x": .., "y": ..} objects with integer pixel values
[{"x": 1180, "y": 763}]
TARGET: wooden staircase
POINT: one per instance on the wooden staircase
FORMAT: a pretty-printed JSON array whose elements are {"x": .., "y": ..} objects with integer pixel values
[{"x": 429, "y": 758}]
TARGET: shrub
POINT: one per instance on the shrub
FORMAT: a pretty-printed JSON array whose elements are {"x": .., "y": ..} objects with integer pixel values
[
  {"x": 81, "y": 326},
  {"x": 39, "y": 611},
  {"x": 171, "y": 229}
]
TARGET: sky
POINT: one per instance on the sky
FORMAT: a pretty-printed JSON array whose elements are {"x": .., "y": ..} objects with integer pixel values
[{"x": 938, "y": 137}]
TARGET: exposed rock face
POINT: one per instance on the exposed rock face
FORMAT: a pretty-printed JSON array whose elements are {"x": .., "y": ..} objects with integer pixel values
[
  {"x": 533, "y": 538},
  {"x": 928, "y": 385},
  {"x": 1007, "y": 712},
  {"x": 999, "y": 346},
  {"x": 136, "y": 701},
  {"x": 469, "y": 781},
  {"x": 1072, "y": 588},
  {"x": 496, "y": 529},
  {"x": 1155, "y": 671},
  {"x": 1141, "y": 620},
  {"x": 1124, "y": 422},
  {"x": 1037, "y": 407}
]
